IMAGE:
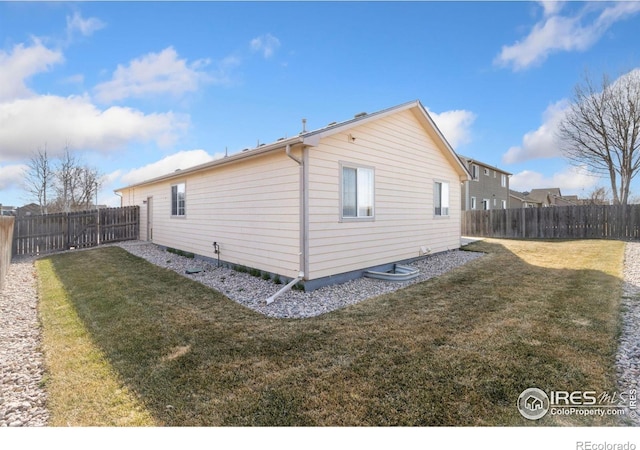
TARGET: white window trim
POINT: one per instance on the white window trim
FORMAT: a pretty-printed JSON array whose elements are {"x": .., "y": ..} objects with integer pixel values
[
  {"x": 370, "y": 218},
  {"x": 503, "y": 181},
  {"x": 184, "y": 213},
  {"x": 486, "y": 171},
  {"x": 474, "y": 203},
  {"x": 448, "y": 199},
  {"x": 475, "y": 172},
  {"x": 487, "y": 202}
]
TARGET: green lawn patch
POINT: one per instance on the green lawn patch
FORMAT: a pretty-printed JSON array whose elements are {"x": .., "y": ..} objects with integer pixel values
[{"x": 455, "y": 350}]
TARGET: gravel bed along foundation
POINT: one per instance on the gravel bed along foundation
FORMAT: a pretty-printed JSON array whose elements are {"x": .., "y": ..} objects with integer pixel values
[{"x": 252, "y": 291}]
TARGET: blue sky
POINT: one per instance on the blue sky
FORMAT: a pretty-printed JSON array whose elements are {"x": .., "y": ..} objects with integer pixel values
[{"x": 141, "y": 89}]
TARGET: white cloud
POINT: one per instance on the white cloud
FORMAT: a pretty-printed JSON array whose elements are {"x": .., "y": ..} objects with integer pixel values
[
  {"x": 20, "y": 64},
  {"x": 26, "y": 124},
  {"x": 181, "y": 160},
  {"x": 551, "y": 7},
  {"x": 455, "y": 125},
  {"x": 541, "y": 143},
  {"x": 152, "y": 74},
  {"x": 557, "y": 33},
  {"x": 571, "y": 180},
  {"x": 12, "y": 176},
  {"x": 266, "y": 44},
  {"x": 86, "y": 27}
]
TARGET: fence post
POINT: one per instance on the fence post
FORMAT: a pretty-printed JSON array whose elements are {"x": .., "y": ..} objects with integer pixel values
[
  {"x": 6, "y": 246},
  {"x": 97, "y": 225}
]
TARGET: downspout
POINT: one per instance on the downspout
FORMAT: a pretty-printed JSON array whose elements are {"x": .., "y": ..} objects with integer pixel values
[{"x": 303, "y": 226}]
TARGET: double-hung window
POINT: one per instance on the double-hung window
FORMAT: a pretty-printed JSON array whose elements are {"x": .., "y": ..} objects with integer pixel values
[
  {"x": 357, "y": 192},
  {"x": 178, "y": 194},
  {"x": 441, "y": 198}
]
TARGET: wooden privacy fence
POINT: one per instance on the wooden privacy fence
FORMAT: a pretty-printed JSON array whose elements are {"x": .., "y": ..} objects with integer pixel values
[
  {"x": 6, "y": 233},
  {"x": 36, "y": 235},
  {"x": 564, "y": 222}
]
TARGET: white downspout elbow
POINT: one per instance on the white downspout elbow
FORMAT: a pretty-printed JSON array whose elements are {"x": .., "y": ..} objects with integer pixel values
[{"x": 288, "y": 287}]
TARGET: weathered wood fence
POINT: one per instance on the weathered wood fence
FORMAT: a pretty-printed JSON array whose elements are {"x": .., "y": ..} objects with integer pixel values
[
  {"x": 6, "y": 233},
  {"x": 563, "y": 222},
  {"x": 36, "y": 235}
]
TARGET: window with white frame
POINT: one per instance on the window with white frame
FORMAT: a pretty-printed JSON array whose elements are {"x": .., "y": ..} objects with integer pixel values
[
  {"x": 503, "y": 181},
  {"x": 475, "y": 171},
  {"x": 486, "y": 171},
  {"x": 357, "y": 192},
  {"x": 441, "y": 198},
  {"x": 485, "y": 204},
  {"x": 504, "y": 204},
  {"x": 178, "y": 194},
  {"x": 473, "y": 203}
]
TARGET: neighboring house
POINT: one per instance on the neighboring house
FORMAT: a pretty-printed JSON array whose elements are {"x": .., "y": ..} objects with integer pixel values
[
  {"x": 32, "y": 209},
  {"x": 544, "y": 198},
  {"x": 551, "y": 197},
  {"x": 7, "y": 210},
  {"x": 521, "y": 200},
  {"x": 322, "y": 206},
  {"x": 488, "y": 187}
]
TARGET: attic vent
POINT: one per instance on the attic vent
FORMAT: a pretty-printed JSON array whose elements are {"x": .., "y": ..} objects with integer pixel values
[
  {"x": 332, "y": 124},
  {"x": 362, "y": 114},
  {"x": 261, "y": 145},
  {"x": 177, "y": 170},
  {"x": 245, "y": 149},
  {"x": 280, "y": 139}
]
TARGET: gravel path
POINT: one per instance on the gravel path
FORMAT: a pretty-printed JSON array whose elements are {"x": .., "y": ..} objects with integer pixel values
[
  {"x": 628, "y": 355},
  {"x": 23, "y": 401}
]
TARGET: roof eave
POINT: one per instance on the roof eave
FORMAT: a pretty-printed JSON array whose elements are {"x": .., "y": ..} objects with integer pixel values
[{"x": 222, "y": 161}]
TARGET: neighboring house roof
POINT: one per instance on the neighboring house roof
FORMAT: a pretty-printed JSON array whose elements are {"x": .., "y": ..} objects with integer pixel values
[
  {"x": 483, "y": 164},
  {"x": 523, "y": 197},
  {"x": 544, "y": 195},
  {"x": 312, "y": 138}
]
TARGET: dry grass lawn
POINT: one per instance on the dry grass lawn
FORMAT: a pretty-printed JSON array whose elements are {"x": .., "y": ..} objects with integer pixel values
[{"x": 456, "y": 350}]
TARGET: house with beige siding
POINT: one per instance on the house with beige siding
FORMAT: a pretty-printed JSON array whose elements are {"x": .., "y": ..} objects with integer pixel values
[{"x": 322, "y": 206}]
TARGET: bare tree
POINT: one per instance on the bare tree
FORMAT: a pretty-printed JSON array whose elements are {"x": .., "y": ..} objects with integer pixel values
[
  {"x": 601, "y": 130},
  {"x": 599, "y": 196},
  {"x": 76, "y": 184},
  {"x": 39, "y": 178},
  {"x": 66, "y": 174}
]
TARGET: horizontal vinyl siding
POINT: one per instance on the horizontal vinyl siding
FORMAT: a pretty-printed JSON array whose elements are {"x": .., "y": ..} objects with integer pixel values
[
  {"x": 406, "y": 162},
  {"x": 251, "y": 209}
]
